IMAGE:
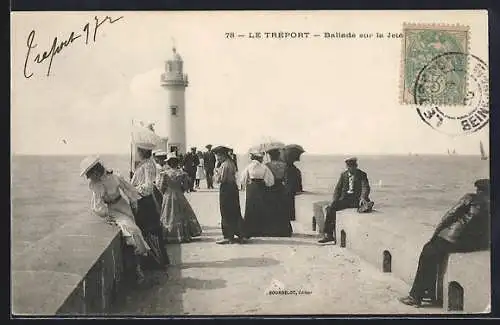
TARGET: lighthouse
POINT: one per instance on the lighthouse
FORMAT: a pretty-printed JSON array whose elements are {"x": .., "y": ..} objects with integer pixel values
[{"x": 175, "y": 81}]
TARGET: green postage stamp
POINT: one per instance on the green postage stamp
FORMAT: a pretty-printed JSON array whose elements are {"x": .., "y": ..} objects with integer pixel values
[{"x": 423, "y": 44}]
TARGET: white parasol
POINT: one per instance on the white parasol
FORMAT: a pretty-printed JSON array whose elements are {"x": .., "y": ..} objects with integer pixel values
[
  {"x": 144, "y": 137},
  {"x": 269, "y": 143}
]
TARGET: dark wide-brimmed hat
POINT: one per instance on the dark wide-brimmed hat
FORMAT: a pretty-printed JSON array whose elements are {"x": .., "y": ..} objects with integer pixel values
[
  {"x": 221, "y": 150},
  {"x": 208, "y": 146},
  {"x": 482, "y": 184},
  {"x": 193, "y": 148}
]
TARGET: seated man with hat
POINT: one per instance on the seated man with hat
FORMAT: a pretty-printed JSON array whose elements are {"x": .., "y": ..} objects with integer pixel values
[
  {"x": 352, "y": 191},
  {"x": 465, "y": 227}
]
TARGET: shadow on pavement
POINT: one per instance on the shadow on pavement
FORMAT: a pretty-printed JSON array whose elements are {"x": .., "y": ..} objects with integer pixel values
[
  {"x": 275, "y": 241},
  {"x": 160, "y": 295},
  {"x": 234, "y": 262},
  {"x": 194, "y": 283},
  {"x": 209, "y": 228}
]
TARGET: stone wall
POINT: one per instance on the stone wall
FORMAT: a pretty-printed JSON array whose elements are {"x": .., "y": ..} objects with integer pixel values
[{"x": 77, "y": 269}]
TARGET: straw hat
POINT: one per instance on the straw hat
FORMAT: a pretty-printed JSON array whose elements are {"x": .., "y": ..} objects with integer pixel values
[
  {"x": 254, "y": 151},
  {"x": 159, "y": 153},
  {"x": 145, "y": 145},
  {"x": 87, "y": 163},
  {"x": 170, "y": 156}
]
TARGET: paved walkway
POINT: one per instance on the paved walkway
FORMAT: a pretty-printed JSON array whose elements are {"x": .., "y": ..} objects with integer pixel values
[{"x": 210, "y": 279}]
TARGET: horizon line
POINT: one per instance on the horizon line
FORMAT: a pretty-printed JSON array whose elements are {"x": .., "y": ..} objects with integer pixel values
[{"x": 238, "y": 153}]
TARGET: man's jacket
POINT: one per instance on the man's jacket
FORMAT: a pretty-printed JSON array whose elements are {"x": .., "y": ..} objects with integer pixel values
[
  {"x": 467, "y": 223},
  {"x": 361, "y": 186}
]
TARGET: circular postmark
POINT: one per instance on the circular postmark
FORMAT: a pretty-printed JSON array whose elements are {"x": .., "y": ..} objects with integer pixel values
[{"x": 452, "y": 93}]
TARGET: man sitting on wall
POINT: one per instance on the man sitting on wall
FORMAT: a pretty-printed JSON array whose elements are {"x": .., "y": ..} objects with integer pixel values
[
  {"x": 352, "y": 191},
  {"x": 465, "y": 227}
]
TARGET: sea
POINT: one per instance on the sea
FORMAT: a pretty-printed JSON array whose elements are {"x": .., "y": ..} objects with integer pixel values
[{"x": 47, "y": 191}]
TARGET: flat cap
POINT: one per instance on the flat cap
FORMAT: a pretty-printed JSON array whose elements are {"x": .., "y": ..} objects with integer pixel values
[
  {"x": 482, "y": 184},
  {"x": 351, "y": 160}
]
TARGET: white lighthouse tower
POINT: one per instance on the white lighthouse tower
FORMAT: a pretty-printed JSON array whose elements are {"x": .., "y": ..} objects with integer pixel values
[{"x": 175, "y": 82}]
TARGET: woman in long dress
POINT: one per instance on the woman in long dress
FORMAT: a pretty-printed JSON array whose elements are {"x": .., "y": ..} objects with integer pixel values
[
  {"x": 254, "y": 179},
  {"x": 276, "y": 198},
  {"x": 229, "y": 198},
  {"x": 113, "y": 199},
  {"x": 177, "y": 216},
  {"x": 293, "y": 186},
  {"x": 148, "y": 210}
]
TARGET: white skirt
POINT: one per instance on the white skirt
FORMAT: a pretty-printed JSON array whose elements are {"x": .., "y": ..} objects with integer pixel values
[{"x": 200, "y": 173}]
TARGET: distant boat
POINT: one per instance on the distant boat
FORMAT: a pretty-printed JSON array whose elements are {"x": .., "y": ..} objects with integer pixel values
[
  {"x": 483, "y": 154},
  {"x": 453, "y": 153}
]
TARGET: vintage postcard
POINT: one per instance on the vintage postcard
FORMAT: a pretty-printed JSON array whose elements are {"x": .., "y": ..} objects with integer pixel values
[{"x": 250, "y": 163}]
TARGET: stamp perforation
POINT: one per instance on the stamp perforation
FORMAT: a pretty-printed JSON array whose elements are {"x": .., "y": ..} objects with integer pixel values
[{"x": 428, "y": 26}]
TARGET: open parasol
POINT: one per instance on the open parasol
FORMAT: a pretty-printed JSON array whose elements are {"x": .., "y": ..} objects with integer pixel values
[
  {"x": 144, "y": 137},
  {"x": 268, "y": 143},
  {"x": 292, "y": 152}
]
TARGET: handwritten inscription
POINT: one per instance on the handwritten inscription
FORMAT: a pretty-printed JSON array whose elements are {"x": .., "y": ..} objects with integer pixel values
[{"x": 58, "y": 45}]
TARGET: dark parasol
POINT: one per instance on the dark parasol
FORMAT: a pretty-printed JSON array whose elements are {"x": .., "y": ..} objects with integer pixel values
[{"x": 292, "y": 152}]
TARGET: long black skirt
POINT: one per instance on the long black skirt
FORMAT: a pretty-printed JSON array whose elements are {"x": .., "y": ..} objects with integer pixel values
[
  {"x": 255, "y": 209},
  {"x": 147, "y": 219},
  {"x": 277, "y": 205},
  {"x": 230, "y": 210}
]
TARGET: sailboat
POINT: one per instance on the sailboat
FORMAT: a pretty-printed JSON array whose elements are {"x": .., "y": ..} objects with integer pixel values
[{"x": 483, "y": 154}]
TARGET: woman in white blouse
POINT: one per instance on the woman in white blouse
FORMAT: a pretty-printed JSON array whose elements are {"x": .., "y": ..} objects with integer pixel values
[
  {"x": 254, "y": 179},
  {"x": 113, "y": 199},
  {"x": 147, "y": 216}
]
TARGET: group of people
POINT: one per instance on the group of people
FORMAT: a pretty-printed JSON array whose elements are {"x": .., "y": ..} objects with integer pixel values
[
  {"x": 151, "y": 208},
  {"x": 270, "y": 205},
  {"x": 200, "y": 166}
]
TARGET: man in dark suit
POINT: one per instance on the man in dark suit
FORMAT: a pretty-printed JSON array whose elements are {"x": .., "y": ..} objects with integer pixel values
[
  {"x": 191, "y": 162},
  {"x": 352, "y": 190},
  {"x": 465, "y": 227},
  {"x": 209, "y": 162}
]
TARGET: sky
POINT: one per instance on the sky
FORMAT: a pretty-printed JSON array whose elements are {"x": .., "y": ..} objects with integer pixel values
[{"x": 332, "y": 96}]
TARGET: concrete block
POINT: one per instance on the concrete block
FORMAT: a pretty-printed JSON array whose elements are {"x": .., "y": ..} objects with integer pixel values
[
  {"x": 303, "y": 213},
  {"x": 467, "y": 282},
  {"x": 318, "y": 217},
  {"x": 382, "y": 236}
]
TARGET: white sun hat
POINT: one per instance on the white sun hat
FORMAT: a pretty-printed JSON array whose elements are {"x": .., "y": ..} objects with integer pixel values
[
  {"x": 159, "y": 153},
  {"x": 88, "y": 162}
]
